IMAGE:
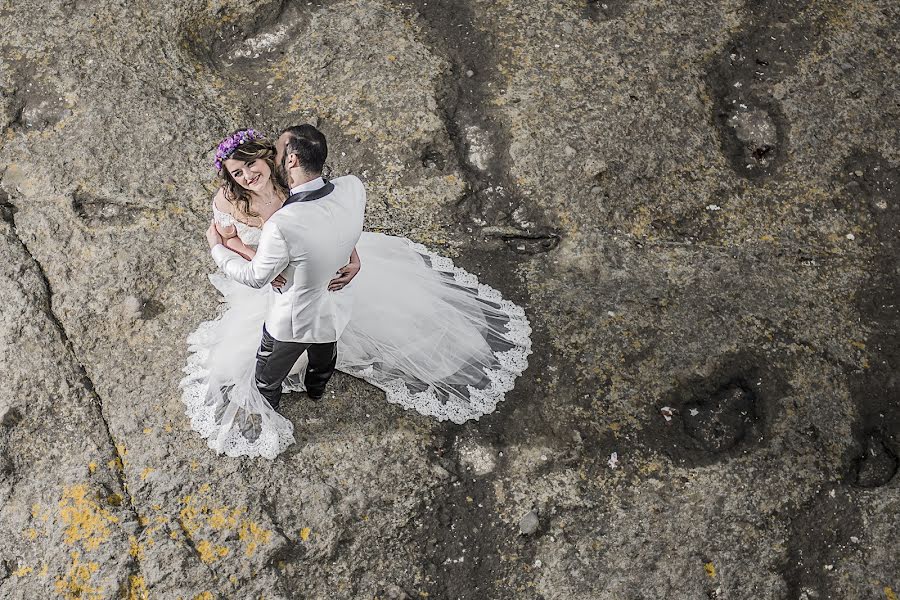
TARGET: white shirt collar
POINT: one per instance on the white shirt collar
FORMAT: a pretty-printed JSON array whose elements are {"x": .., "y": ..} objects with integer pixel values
[{"x": 309, "y": 186}]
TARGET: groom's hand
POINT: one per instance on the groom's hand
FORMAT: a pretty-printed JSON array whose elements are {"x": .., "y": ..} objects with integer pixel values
[
  {"x": 212, "y": 235},
  {"x": 345, "y": 274}
]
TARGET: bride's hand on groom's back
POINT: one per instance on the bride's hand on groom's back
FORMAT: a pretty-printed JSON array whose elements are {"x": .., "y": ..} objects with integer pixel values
[{"x": 345, "y": 274}]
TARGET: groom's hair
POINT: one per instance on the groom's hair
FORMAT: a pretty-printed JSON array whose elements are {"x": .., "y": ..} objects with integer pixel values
[{"x": 309, "y": 144}]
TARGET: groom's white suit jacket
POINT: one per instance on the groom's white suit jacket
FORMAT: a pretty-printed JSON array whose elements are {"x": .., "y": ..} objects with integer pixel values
[{"x": 306, "y": 241}]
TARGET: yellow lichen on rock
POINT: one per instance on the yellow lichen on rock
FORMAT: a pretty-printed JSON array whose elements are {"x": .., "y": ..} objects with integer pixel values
[
  {"x": 75, "y": 585},
  {"x": 210, "y": 553},
  {"x": 86, "y": 521},
  {"x": 224, "y": 517},
  {"x": 23, "y": 571},
  {"x": 134, "y": 548},
  {"x": 189, "y": 515},
  {"x": 253, "y": 536},
  {"x": 137, "y": 588}
]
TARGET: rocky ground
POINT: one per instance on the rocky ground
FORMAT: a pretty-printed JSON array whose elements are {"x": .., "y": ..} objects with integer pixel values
[{"x": 697, "y": 203}]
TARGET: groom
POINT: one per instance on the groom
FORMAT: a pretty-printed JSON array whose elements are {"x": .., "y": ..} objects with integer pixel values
[{"x": 306, "y": 241}]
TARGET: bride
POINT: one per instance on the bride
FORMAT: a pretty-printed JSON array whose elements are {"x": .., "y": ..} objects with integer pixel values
[{"x": 426, "y": 332}]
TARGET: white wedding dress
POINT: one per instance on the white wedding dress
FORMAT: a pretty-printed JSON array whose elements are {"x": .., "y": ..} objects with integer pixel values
[{"x": 426, "y": 332}]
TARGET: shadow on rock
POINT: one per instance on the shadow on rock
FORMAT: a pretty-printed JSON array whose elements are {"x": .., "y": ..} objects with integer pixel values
[
  {"x": 872, "y": 196},
  {"x": 877, "y": 464},
  {"x": 493, "y": 202}
]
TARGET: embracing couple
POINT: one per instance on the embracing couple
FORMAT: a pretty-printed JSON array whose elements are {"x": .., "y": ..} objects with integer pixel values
[{"x": 289, "y": 245}]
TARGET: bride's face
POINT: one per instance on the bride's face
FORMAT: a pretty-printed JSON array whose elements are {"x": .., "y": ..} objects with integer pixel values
[{"x": 253, "y": 175}]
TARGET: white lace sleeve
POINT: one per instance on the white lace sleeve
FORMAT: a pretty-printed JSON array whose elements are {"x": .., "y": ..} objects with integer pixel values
[{"x": 222, "y": 218}]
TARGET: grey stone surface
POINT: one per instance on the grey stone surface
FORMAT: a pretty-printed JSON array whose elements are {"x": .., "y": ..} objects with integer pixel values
[{"x": 696, "y": 203}]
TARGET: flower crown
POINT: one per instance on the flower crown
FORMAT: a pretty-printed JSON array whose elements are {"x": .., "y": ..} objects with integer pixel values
[{"x": 229, "y": 145}]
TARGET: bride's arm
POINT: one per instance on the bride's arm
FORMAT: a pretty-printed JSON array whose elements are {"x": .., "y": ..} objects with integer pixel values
[
  {"x": 225, "y": 225},
  {"x": 346, "y": 273},
  {"x": 235, "y": 244}
]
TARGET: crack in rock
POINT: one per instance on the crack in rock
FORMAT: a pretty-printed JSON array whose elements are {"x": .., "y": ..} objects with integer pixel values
[{"x": 7, "y": 211}]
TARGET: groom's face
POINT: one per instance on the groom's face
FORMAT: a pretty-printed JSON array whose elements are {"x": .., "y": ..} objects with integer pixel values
[{"x": 281, "y": 160}]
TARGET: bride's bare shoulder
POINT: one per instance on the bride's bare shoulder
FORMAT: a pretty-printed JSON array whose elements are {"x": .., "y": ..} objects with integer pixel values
[{"x": 221, "y": 203}]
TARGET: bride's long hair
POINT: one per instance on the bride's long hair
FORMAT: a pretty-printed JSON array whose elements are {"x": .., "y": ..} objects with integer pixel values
[{"x": 260, "y": 149}]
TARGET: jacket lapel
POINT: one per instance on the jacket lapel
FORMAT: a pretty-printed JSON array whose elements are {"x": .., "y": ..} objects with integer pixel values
[{"x": 310, "y": 195}]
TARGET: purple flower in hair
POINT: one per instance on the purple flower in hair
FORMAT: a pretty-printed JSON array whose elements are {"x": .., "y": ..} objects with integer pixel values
[{"x": 229, "y": 145}]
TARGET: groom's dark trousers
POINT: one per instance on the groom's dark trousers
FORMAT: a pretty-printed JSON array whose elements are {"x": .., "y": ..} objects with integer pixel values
[{"x": 275, "y": 359}]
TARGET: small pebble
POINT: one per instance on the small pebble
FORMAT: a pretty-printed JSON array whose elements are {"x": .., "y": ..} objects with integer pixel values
[{"x": 529, "y": 523}]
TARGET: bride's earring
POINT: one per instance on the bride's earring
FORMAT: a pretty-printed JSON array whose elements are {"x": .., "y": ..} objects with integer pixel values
[{"x": 326, "y": 172}]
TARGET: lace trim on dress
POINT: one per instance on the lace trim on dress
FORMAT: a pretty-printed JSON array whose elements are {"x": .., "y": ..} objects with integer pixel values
[
  {"x": 250, "y": 429},
  {"x": 510, "y": 363}
]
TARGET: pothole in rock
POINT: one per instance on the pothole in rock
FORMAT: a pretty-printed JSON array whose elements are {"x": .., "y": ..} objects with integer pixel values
[
  {"x": 7, "y": 210},
  {"x": 721, "y": 421},
  {"x": 433, "y": 159},
  {"x": 480, "y": 142},
  {"x": 524, "y": 242},
  {"x": 243, "y": 41},
  {"x": 877, "y": 464},
  {"x": 605, "y": 10},
  {"x": 709, "y": 419},
  {"x": 753, "y": 137},
  {"x": 11, "y": 418},
  {"x": 98, "y": 212},
  {"x": 757, "y": 133},
  {"x": 134, "y": 308},
  {"x": 744, "y": 79}
]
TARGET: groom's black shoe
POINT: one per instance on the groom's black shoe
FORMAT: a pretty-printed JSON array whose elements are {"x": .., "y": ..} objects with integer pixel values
[{"x": 315, "y": 395}]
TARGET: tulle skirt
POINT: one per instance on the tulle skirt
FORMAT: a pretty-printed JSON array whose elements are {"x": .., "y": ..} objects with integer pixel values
[{"x": 426, "y": 332}]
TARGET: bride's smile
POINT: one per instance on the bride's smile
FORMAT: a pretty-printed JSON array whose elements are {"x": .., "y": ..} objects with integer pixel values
[{"x": 253, "y": 175}]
